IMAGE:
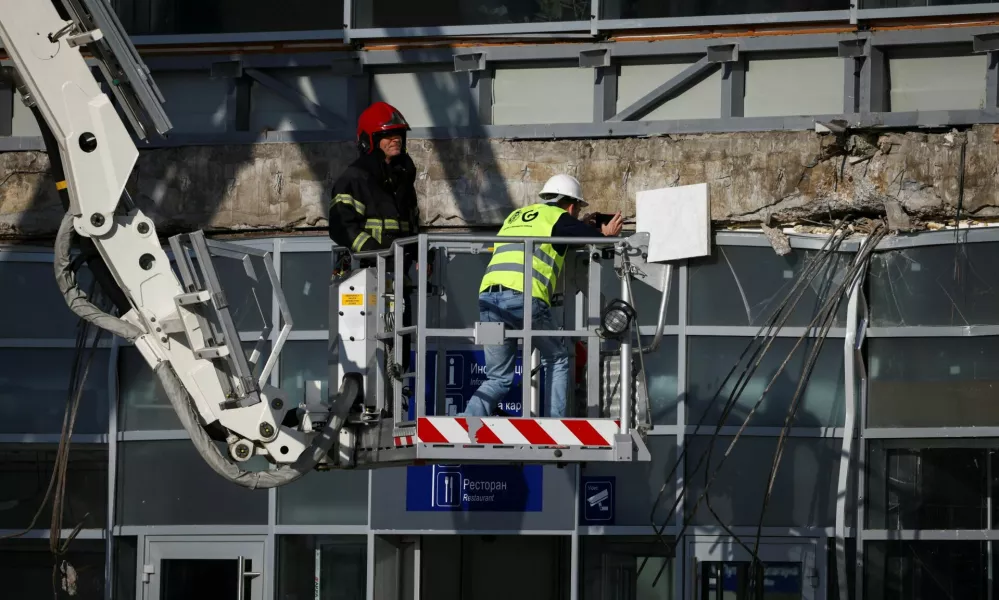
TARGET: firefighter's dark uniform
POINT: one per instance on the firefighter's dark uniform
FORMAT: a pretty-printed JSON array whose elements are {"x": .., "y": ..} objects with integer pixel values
[{"x": 374, "y": 203}]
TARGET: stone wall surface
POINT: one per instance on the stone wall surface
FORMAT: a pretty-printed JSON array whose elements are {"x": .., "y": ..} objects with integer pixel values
[{"x": 780, "y": 177}]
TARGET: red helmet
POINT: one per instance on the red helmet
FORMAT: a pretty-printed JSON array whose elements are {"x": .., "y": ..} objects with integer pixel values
[{"x": 378, "y": 118}]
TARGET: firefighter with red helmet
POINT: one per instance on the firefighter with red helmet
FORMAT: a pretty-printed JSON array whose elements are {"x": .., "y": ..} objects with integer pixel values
[{"x": 374, "y": 199}]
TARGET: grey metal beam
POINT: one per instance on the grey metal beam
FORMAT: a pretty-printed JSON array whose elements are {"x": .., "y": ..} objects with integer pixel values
[
  {"x": 501, "y": 29},
  {"x": 926, "y": 11},
  {"x": 358, "y": 97},
  {"x": 252, "y": 60},
  {"x": 726, "y": 20},
  {"x": 733, "y": 88},
  {"x": 928, "y": 36},
  {"x": 604, "y": 93},
  {"x": 992, "y": 81},
  {"x": 678, "y": 83},
  {"x": 295, "y": 97},
  {"x": 194, "y": 39},
  {"x": 874, "y": 82},
  {"x": 914, "y": 119},
  {"x": 481, "y": 83},
  {"x": 243, "y": 99},
  {"x": 922, "y": 331},
  {"x": 887, "y": 433},
  {"x": 7, "y": 99},
  {"x": 348, "y": 19},
  {"x": 940, "y": 535},
  {"x": 851, "y": 84}
]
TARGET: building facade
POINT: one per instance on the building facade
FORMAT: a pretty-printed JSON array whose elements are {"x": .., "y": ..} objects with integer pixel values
[{"x": 793, "y": 114}]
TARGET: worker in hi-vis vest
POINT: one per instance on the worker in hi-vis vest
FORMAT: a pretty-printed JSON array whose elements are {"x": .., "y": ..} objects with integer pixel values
[{"x": 501, "y": 292}]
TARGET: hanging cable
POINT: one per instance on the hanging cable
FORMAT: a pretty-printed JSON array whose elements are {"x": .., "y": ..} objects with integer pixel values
[
  {"x": 767, "y": 332},
  {"x": 831, "y": 310}
]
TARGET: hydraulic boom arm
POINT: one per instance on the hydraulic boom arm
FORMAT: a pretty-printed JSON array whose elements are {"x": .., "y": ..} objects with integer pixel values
[{"x": 198, "y": 360}]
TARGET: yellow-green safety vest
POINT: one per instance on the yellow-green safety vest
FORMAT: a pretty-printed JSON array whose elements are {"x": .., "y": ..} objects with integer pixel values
[{"x": 507, "y": 265}]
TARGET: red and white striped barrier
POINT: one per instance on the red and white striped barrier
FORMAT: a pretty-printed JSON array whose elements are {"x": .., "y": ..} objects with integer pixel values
[{"x": 517, "y": 431}]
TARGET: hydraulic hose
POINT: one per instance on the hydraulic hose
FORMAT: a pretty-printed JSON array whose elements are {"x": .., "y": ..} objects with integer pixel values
[{"x": 350, "y": 390}]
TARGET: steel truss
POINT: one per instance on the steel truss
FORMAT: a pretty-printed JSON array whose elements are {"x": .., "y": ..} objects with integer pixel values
[{"x": 864, "y": 54}]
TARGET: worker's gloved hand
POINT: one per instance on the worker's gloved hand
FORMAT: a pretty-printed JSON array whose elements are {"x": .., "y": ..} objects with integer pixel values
[{"x": 590, "y": 219}]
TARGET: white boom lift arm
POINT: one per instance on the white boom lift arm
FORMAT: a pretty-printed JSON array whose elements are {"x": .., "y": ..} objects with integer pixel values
[
  {"x": 182, "y": 326},
  {"x": 167, "y": 321}
]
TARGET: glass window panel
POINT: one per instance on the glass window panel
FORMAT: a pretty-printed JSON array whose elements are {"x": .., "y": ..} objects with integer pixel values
[
  {"x": 305, "y": 281},
  {"x": 303, "y": 361},
  {"x": 927, "y": 488},
  {"x": 804, "y": 492},
  {"x": 26, "y": 569},
  {"x": 168, "y": 483},
  {"x": 925, "y": 570},
  {"x": 653, "y": 9},
  {"x": 143, "y": 405},
  {"x": 609, "y": 568},
  {"x": 145, "y": 17},
  {"x": 710, "y": 359},
  {"x": 337, "y": 497},
  {"x": 462, "y": 276},
  {"x": 247, "y": 296},
  {"x": 933, "y": 382},
  {"x": 126, "y": 552},
  {"x": 954, "y": 284},
  {"x": 35, "y": 386},
  {"x": 404, "y": 13},
  {"x": 745, "y": 285},
  {"x": 42, "y": 312},
  {"x": 25, "y": 472},
  {"x": 342, "y": 567},
  {"x": 637, "y": 485}
]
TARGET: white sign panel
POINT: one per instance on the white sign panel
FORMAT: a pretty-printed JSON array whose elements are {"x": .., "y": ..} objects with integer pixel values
[{"x": 678, "y": 220}]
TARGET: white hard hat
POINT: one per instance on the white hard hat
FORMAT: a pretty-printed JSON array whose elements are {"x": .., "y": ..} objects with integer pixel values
[{"x": 563, "y": 185}]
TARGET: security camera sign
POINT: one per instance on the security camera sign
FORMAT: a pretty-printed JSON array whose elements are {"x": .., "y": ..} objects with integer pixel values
[{"x": 597, "y": 500}]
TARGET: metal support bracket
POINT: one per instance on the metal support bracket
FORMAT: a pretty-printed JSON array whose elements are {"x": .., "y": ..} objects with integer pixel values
[
  {"x": 475, "y": 61},
  {"x": 601, "y": 57},
  {"x": 664, "y": 92},
  {"x": 985, "y": 42},
  {"x": 857, "y": 48},
  {"x": 724, "y": 53},
  {"x": 295, "y": 97},
  {"x": 228, "y": 69}
]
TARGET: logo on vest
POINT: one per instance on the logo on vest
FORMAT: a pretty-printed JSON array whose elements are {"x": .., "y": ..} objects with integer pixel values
[{"x": 529, "y": 216}]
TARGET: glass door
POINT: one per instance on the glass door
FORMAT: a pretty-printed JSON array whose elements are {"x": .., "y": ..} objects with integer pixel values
[
  {"x": 720, "y": 569},
  {"x": 177, "y": 568}
]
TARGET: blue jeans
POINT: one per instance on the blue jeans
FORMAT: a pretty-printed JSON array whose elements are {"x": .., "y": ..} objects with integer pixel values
[{"x": 507, "y": 307}]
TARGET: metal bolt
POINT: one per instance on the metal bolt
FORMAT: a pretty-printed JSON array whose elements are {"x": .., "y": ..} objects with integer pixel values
[
  {"x": 143, "y": 228},
  {"x": 163, "y": 339},
  {"x": 362, "y": 313},
  {"x": 277, "y": 404},
  {"x": 97, "y": 220},
  {"x": 341, "y": 313},
  {"x": 242, "y": 451},
  {"x": 158, "y": 329},
  {"x": 352, "y": 338},
  {"x": 558, "y": 454},
  {"x": 87, "y": 141},
  {"x": 266, "y": 430}
]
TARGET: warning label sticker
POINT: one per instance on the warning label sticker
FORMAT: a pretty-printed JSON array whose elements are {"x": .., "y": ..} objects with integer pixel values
[{"x": 352, "y": 299}]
